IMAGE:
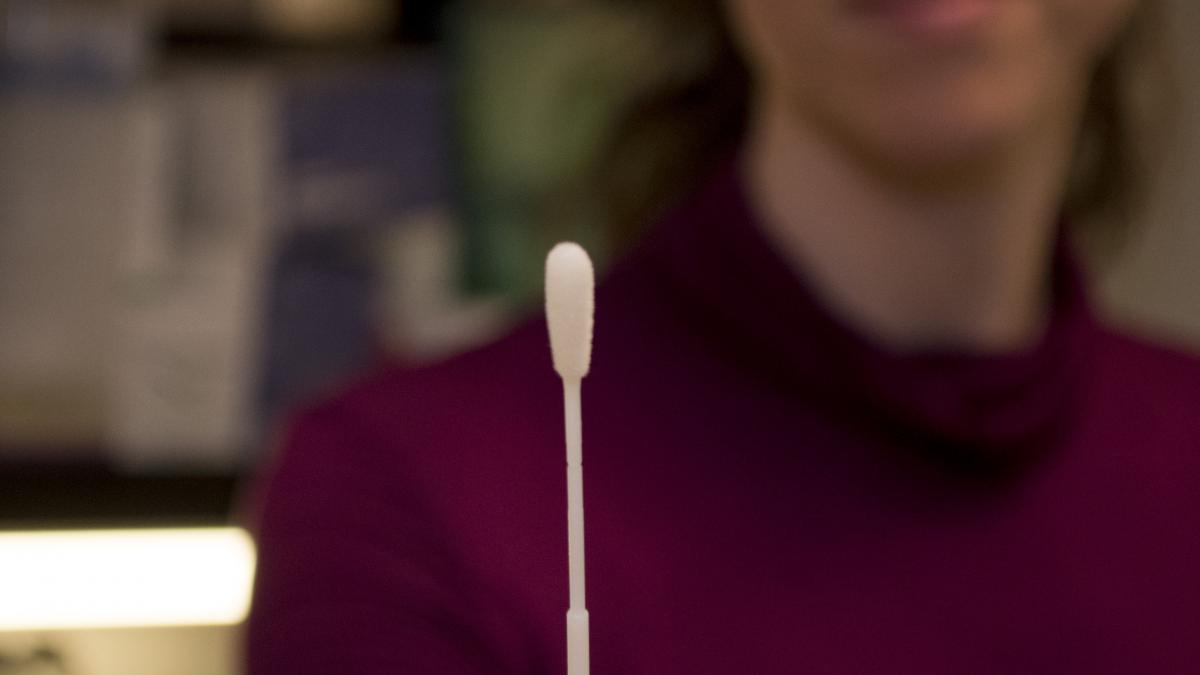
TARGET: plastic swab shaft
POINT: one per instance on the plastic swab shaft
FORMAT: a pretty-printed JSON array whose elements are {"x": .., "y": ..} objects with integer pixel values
[
  {"x": 574, "y": 489},
  {"x": 577, "y": 615},
  {"x": 570, "y": 289}
]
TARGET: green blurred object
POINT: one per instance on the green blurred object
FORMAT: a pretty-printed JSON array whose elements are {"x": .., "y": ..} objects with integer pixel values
[{"x": 538, "y": 89}]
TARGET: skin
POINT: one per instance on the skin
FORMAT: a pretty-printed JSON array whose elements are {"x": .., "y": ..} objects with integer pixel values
[{"x": 910, "y": 163}]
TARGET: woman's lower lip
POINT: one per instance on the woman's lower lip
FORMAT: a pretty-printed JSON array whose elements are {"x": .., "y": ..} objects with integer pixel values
[{"x": 932, "y": 18}]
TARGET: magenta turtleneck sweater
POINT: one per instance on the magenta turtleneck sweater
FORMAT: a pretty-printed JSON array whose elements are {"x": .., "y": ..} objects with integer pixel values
[{"x": 766, "y": 492}]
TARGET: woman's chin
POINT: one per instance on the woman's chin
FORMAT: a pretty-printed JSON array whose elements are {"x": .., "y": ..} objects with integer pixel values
[
  {"x": 942, "y": 125},
  {"x": 940, "y": 148}
]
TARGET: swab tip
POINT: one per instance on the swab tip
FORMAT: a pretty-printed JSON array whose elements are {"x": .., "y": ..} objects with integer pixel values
[{"x": 570, "y": 305}]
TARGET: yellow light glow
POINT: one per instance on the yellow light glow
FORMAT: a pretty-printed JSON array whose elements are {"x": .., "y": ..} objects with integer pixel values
[{"x": 120, "y": 578}]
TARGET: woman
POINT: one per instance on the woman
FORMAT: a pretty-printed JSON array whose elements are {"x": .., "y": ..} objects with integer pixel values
[{"x": 850, "y": 410}]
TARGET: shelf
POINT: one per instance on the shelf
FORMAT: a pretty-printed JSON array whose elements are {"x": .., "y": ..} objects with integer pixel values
[{"x": 68, "y": 496}]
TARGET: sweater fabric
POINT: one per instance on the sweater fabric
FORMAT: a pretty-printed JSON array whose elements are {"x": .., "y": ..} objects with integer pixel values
[{"x": 766, "y": 491}]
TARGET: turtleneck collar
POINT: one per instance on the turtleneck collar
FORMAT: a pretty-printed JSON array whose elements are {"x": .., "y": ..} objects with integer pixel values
[{"x": 994, "y": 408}]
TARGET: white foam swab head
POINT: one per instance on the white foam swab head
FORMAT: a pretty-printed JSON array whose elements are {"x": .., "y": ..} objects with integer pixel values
[{"x": 570, "y": 300}]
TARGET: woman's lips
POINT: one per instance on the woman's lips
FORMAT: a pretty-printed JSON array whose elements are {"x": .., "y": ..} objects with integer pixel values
[{"x": 933, "y": 18}]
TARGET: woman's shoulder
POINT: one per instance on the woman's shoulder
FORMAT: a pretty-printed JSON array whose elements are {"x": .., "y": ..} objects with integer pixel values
[
  {"x": 1152, "y": 380},
  {"x": 382, "y": 499},
  {"x": 397, "y": 400},
  {"x": 1149, "y": 355}
]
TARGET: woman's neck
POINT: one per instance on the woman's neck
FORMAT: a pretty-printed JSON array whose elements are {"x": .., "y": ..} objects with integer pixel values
[{"x": 962, "y": 265}]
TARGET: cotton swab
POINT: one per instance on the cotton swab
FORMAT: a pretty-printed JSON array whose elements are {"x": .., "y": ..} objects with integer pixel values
[{"x": 570, "y": 303}]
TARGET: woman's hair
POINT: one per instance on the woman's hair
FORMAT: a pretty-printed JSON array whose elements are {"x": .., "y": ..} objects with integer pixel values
[{"x": 673, "y": 134}]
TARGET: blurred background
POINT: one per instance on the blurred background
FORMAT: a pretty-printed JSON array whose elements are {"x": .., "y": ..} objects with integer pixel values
[{"x": 212, "y": 211}]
